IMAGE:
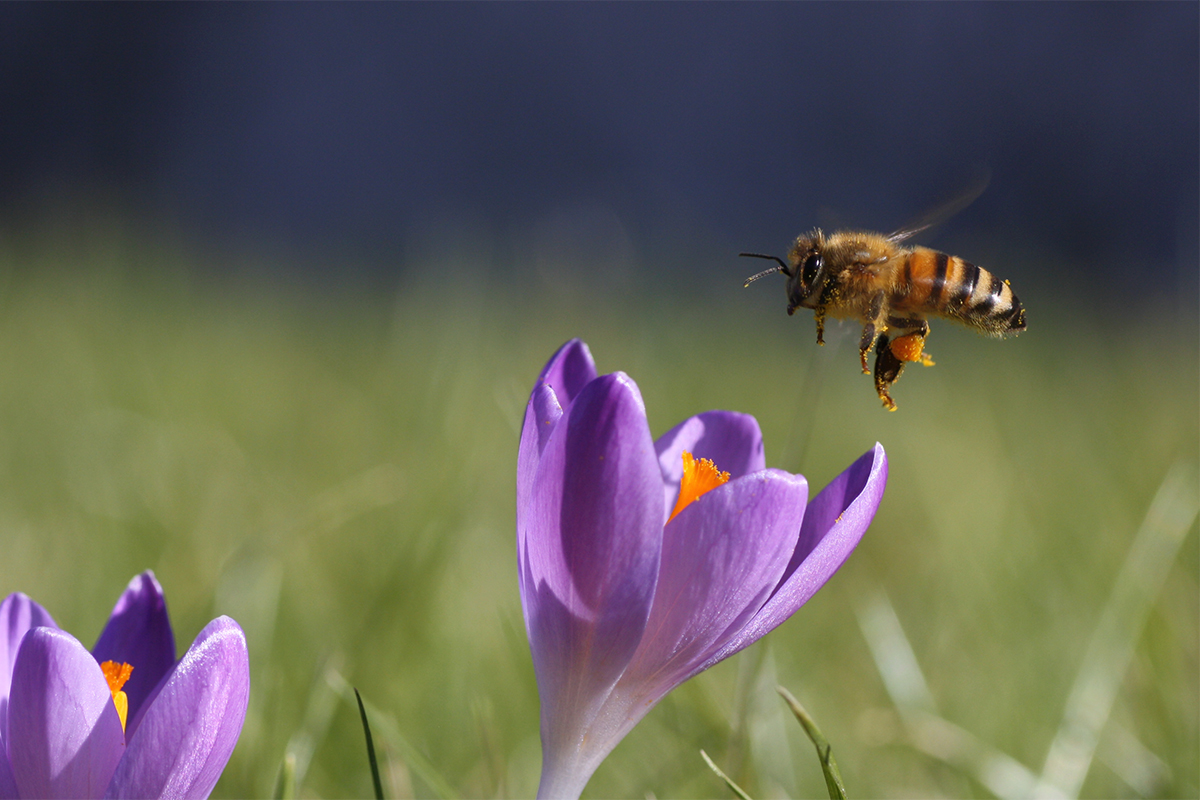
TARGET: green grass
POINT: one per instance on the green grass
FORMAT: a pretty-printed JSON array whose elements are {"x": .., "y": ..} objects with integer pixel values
[{"x": 334, "y": 468}]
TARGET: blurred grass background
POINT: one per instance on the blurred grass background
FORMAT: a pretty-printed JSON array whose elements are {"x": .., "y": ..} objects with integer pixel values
[{"x": 333, "y": 466}]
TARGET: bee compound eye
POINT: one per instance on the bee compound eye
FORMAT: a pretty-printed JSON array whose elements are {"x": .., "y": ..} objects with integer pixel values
[{"x": 811, "y": 269}]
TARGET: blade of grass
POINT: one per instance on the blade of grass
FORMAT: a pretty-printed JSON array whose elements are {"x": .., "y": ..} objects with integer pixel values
[
  {"x": 362, "y": 712},
  {"x": 389, "y": 731},
  {"x": 318, "y": 714},
  {"x": 1000, "y": 773},
  {"x": 833, "y": 776},
  {"x": 893, "y": 654},
  {"x": 733, "y": 787},
  {"x": 285, "y": 781},
  {"x": 1132, "y": 761},
  {"x": 1155, "y": 546},
  {"x": 1003, "y": 775}
]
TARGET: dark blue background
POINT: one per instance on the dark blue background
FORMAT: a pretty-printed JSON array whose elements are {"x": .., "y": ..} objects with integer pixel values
[{"x": 695, "y": 129}]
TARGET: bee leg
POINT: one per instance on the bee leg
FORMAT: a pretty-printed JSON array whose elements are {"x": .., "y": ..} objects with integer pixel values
[
  {"x": 887, "y": 371},
  {"x": 875, "y": 326},
  {"x": 869, "y": 337},
  {"x": 819, "y": 313}
]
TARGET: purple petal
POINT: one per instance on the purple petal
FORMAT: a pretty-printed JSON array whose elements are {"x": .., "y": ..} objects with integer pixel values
[
  {"x": 8, "y": 786},
  {"x": 17, "y": 615},
  {"x": 65, "y": 737},
  {"x": 723, "y": 556},
  {"x": 833, "y": 525},
  {"x": 139, "y": 633},
  {"x": 541, "y": 416},
  {"x": 591, "y": 533},
  {"x": 836, "y": 520},
  {"x": 563, "y": 377},
  {"x": 190, "y": 726},
  {"x": 732, "y": 441},
  {"x": 568, "y": 371}
]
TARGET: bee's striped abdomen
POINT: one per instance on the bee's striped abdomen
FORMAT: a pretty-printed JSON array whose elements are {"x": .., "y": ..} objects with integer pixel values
[
  {"x": 992, "y": 306},
  {"x": 934, "y": 282}
]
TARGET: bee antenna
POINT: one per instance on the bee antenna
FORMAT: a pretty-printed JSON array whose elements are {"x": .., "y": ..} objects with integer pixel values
[{"x": 781, "y": 268}]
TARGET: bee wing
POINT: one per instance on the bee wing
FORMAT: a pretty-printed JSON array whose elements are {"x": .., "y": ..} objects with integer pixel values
[
  {"x": 945, "y": 210},
  {"x": 907, "y": 232}
]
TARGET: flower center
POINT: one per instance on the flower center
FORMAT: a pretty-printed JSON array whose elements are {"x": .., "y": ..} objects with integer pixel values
[
  {"x": 116, "y": 675},
  {"x": 699, "y": 476}
]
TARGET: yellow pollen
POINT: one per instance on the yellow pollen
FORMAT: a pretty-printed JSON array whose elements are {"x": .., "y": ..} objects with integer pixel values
[
  {"x": 116, "y": 675},
  {"x": 698, "y": 477},
  {"x": 909, "y": 348}
]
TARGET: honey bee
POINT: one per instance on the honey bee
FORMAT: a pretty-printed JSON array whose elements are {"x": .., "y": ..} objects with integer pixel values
[{"x": 891, "y": 289}]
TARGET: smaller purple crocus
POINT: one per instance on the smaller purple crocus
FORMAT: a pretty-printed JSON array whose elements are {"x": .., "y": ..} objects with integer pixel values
[
  {"x": 126, "y": 720},
  {"x": 642, "y": 562}
]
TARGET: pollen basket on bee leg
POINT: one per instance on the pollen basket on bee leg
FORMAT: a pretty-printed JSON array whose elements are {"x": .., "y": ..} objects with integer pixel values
[{"x": 910, "y": 348}]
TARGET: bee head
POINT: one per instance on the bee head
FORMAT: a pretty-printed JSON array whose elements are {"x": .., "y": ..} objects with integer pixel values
[{"x": 807, "y": 275}]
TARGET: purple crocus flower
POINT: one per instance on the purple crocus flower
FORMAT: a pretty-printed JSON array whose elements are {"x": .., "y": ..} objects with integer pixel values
[
  {"x": 61, "y": 733},
  {"x": 624, "y": 600}
]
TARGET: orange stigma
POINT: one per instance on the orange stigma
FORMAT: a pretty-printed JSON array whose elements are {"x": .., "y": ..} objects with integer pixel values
[
  {"x": 116, "y": 675},
  {"x": 698, "y": 477}
]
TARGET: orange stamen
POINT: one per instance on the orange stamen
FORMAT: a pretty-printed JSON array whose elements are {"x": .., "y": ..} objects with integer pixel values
[
  {"x": 698, "y": 477},
  {"x": 116, "y": 675}
]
